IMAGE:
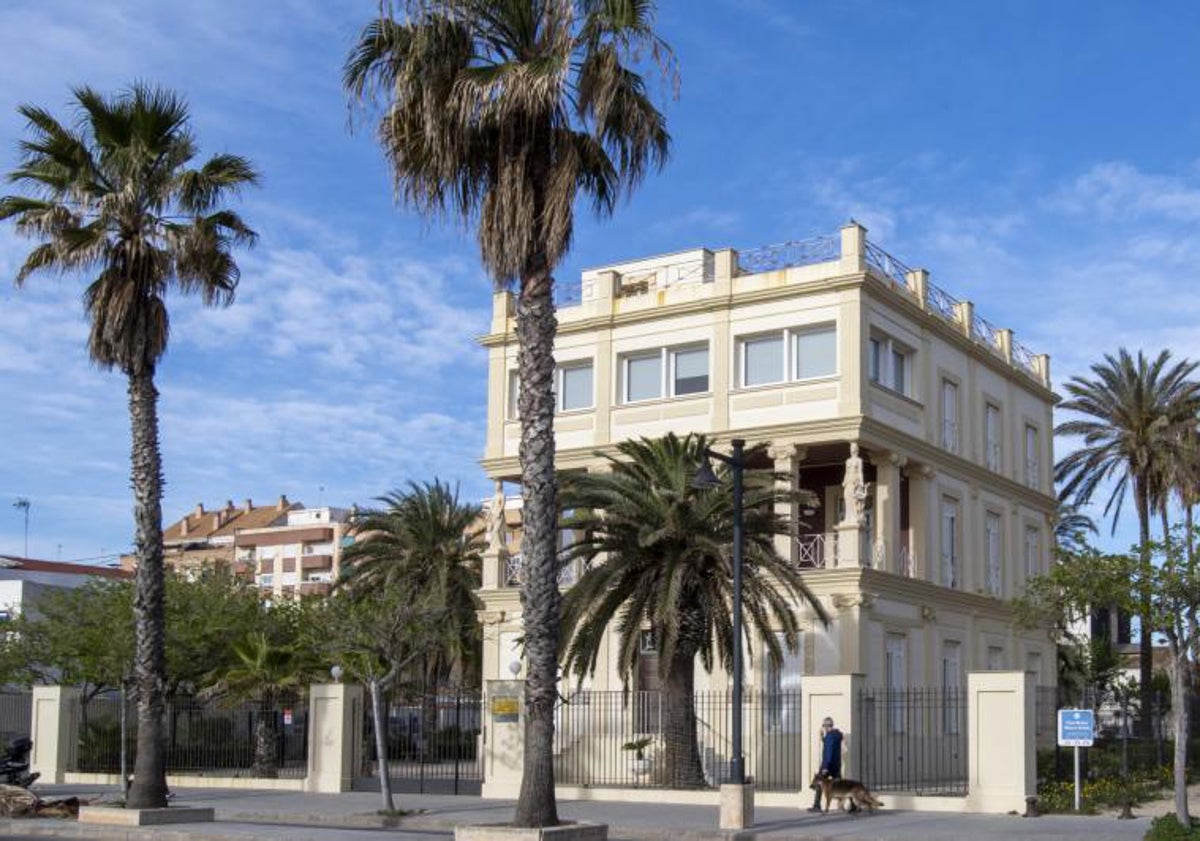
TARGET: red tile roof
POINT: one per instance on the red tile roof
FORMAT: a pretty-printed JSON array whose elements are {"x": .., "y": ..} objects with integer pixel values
[{"x": 61, "y": 567}]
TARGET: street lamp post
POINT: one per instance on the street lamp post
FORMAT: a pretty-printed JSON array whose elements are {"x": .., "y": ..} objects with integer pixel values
[{"x": 705, "y": 478}]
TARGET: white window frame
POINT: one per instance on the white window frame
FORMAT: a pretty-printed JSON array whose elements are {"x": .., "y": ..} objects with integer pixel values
[
  {"x": 992, "y": 436},
  {"x": 952, "y": 683},
  {"x": 949, "y": 395},
  {"x": 895, "y": 668},
  {"x": 788, "y": 338},
  {"x": 993, "y": 528},
  {"x": 1033, "y": 462},
  {"x": 1033, "y": 551},
  {"x": 560, "y": 391},
  {"x": 882, "y": 351},
  {"x": 633, "y": 356},
  {"x": 666, "y": 371},
  {"x": 949, "y": 516}
]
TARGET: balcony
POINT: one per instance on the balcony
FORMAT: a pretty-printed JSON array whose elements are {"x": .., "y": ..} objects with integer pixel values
[{"x": 316, "y": 562}]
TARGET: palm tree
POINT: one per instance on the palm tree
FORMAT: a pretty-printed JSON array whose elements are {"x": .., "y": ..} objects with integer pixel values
[
  {"x": 667, "y": 570},
  {"x": 1133, "y": 411},
  {"x": 116, "y": 194},
  {"x": 501, "y": 112},
  {"x": 263, "y": 672},
  {"x": 429, "y": 541},
  {"x": 1071, "y": 527}
]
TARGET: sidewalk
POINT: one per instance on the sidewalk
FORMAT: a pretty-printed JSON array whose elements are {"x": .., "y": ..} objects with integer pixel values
[{"x": 245, "y": 815}]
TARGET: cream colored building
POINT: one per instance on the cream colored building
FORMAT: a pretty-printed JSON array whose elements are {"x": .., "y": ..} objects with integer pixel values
[{"x": 815, "y": 346}]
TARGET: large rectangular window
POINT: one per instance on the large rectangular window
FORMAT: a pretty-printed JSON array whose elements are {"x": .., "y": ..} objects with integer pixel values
[
  {"x": 801, "y": 353},
  {"x": 874, "y": 360},
  {"x": 814, "y": 353},
  {"x": 1033, "y": 467},
  {"x": 950, "y": 543},
  {"x": 991, "y": 531},
  {"x": 514, "y": 392},
  {"x": 950, "y": 415},
  {"x": 575, "y": 387},
  {"x": 900, "y": 374},
  {"x": 991, "y": 436},
  {"x": 643, "y": 377},
  {"x": 762, "y": 360},
  {"x": 689, "y": 371}
]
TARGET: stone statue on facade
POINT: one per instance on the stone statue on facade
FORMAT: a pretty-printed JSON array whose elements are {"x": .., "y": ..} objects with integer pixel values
[
  {"x": 854, "y": 489},
  {"x": 497, "y": 528}
]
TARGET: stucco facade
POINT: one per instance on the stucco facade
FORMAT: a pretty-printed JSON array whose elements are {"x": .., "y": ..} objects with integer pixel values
[{"x": 814, "y": 346}]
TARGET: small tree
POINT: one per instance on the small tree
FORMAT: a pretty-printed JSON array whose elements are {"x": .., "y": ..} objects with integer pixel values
[
  {"x": 264, "y": 672},
  {"x": 375, "y": 635},
  {"x": 1168, "y": 590}
]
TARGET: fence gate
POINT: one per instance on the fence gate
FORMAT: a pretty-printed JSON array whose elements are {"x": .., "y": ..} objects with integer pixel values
[{"x": 432, "y": 740}]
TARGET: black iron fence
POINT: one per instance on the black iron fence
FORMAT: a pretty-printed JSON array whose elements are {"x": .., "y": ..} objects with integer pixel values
[
  {"x": 16, "y": 710},
  {"x": 912, "y": 740},
  {"x": 620, "y": 739},
  {"x": 203, "y": 737},
  {"x": 433, "y": 742}
]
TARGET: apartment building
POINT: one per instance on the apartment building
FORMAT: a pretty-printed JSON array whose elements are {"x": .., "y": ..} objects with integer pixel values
[
  {"x": 285, "y": 549},
  {"x": 299, "y": 556},
  {"x": 849, "y": 363}
]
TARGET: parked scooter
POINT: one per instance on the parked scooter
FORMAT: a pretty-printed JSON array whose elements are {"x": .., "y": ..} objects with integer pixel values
[{"x": 14, "y": 764}]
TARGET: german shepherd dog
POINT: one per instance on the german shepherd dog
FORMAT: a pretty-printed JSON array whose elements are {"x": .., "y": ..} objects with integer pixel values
[{"x": 843, "y": 790}]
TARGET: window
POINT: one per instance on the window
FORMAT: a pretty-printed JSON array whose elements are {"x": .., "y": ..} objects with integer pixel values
[
  {"x": 995, "y": 658},
  {"x": 991, "y": 436},
  {"x": 889, "y": 364},
  {"x": 896, "y": 674},
  {"x": 575, "y": 387},
  {"x": 950, "y": 542},
  {"x": 514, "y": 391},
  {"x": 1033, "y": 663},
  {"x": 814, "y": 353},
  {"x": 950, "y": 416},
  {"x": 689, "y": 371},
  {"x": 1033, "y": 552},
  {"x": 266, "y": 580},
  {"x": 952, "y": 683},
  {"x": 991, "y": 530},
  {"x": 647, "y": 644},
  {"x": 811, "y": 353},
  {"x": 670, "y": 372},
  {"x": 783, "y": 688},
  {"x": 1032, "y": 464},
  {"x": 643, "y": 377},
  {"x": 762, "y": 360}
]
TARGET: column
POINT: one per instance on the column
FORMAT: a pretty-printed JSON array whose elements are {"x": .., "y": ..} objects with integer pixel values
[
  {"x": 335, "y": 735},
  {"x": 1001, "y": 748},
  {"x": 854, "y": 247},
  {"x": 886, "y": 540},
  {"x": 787, "y": 458},
  {"x": 54, "y": 731},
  {"x": 921, "y": 510}
]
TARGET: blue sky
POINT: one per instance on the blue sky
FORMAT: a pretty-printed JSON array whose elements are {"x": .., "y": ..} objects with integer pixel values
[{"x": 1041, "y": 159}]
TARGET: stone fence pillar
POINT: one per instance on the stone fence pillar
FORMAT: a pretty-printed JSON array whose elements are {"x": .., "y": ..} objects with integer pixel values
[
  {"x": 1001, "y": 746},
  {"x": 335, "y": 736},
  {"x": 54, "y": 731},
  {"x": 503, "y": 737},
  {"x": 835, "y": 696}
]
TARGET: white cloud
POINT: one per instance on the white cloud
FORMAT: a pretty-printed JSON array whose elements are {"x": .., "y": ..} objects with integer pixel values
[{"x": 1117, "y": 190}]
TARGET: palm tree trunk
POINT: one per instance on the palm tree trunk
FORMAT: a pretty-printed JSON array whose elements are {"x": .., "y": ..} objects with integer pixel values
[
  {"x": 681, "y": 747},
  {"x": 379, "y": 723},
  {"x": 540, "y": 598},
  {"x": 264, "y": 741},
  {"x": 1179, "y": 709},
  {"x": 1145, "y": 641},
  {"x": 149, "y": 788}
]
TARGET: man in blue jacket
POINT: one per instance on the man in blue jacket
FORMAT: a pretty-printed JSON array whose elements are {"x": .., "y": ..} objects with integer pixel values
[{"x": 831, "y": 757}]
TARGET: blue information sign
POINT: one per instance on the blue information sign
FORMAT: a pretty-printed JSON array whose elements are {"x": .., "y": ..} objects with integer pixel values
[{"x": 1076, "y": 728}]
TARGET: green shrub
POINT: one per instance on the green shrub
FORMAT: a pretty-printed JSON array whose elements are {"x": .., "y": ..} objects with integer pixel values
[{"x": 1167, "y": 828}]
